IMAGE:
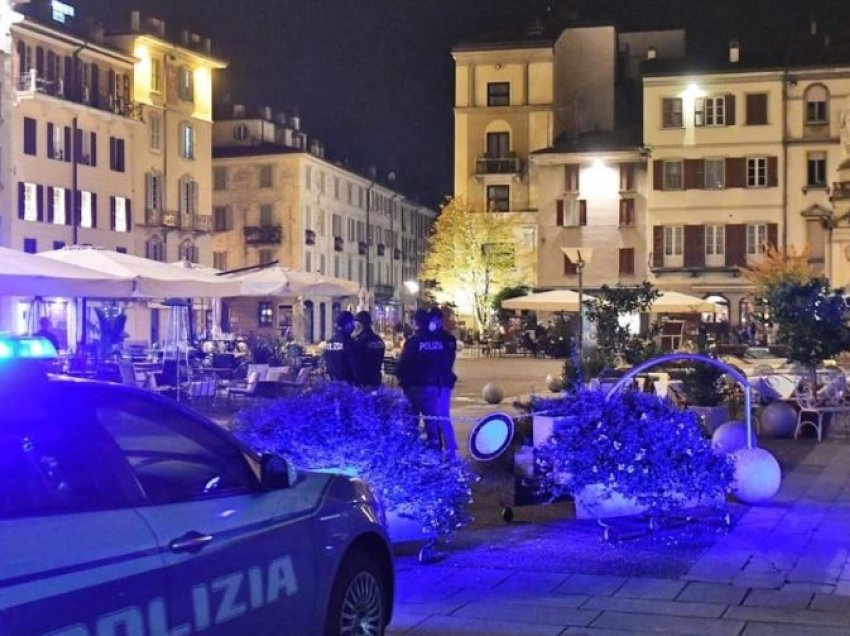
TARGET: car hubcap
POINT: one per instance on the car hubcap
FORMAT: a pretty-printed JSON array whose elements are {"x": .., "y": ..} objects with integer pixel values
[{"x": 362, "y": 613}]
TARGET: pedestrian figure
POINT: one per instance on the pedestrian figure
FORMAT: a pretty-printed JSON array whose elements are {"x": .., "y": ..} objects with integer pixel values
[
  {"x": 447, "y": 381},
  {"x": 369, "y": 351},
  {"x": 45, "y": 331},
  {"x": 340, "y": 350}
]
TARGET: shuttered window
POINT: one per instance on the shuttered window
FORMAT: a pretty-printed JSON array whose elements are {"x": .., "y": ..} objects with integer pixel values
[
  {"x": 673, "y": 178},
  {"x": 756, "y": 109},
  {"x": 671, "y": 109},
  {"x": 627, "y": 261},
  {"x": 571, "y": 177},
  {"x": 30, "y": 136},
  {"x": 756, "y": 172},
  {"x": 627, "y": 212}
]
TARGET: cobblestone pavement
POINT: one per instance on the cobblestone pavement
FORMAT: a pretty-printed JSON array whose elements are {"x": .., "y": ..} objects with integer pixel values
[{"x": 783, "y": 568}]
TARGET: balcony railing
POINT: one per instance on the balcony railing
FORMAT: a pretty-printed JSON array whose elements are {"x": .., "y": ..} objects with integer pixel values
[
  {"x": 31, "y": 82},
  {"x": 202, "y": 223},
  {"x": 162, "y": 218},
  {"x": 362, "y": 248},
  {"x": 497, "y": 165},
  {"x": 397, "y": 254},
  {"x": 840, "y": 190},
  {"x": 309, "y": 237},
  {"x": 380, "y": 249},
  {"x": 383, "y": 291},
  {"x": 258, "y": 235}
]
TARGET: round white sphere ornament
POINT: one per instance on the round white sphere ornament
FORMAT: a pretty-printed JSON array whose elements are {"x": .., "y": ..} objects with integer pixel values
[
  {"x": 757, "y": 475},
  {"x": 492, "y": 393}
]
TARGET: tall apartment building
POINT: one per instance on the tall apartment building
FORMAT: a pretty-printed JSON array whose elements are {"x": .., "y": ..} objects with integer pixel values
[
  {"x": 276, "y": 197},
  {"x": 744, "y": 154}
]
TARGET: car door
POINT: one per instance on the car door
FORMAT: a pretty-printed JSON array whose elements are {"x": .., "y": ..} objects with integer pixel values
[
  {"x": 240, "y": 558},
  {"x": 77, "y": 558}
]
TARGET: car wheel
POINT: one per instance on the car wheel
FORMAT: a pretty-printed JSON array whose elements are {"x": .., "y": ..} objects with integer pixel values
[{"x": 358, "y": 600}]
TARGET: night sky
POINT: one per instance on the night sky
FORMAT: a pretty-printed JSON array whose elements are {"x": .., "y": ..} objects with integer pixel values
[{"x": 374, "y": 78}]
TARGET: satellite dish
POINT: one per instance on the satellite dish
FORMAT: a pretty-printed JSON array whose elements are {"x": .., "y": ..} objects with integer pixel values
[{"x": 491, "y": 436}]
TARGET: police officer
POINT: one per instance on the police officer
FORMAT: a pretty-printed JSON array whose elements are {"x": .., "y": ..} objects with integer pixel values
[
  {"x": 369, "y": 350},
  {"x": 420, "y": 369},
  {"x": 340, "y": 349},
  {"x": 447, "y": 379}
]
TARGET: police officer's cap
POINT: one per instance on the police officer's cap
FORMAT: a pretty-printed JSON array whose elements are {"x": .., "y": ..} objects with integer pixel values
[
  {"x": 364, "y": 318},
  {"x": 345, "y": 318},
  {"x": 421, "y": 318},
  {"x": 436, "y": 313}
]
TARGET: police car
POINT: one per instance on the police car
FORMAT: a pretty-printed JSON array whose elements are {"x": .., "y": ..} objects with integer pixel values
[{"x": 125, "y": 513}]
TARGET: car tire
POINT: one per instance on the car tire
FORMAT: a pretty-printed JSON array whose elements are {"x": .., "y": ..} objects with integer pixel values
[{"x": 358, "y": 601}]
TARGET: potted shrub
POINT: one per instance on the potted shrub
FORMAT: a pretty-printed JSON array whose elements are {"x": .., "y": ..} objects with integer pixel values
[
  {"x": 630, "y": 453},
  {"x": 703, "y": 392},
  {"x": 371, "y": 434}
]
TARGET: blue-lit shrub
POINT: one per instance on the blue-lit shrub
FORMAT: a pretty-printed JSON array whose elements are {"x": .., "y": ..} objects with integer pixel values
[
  {"x": 636, "y": 444},
  {"x": 337, "y": 426}
]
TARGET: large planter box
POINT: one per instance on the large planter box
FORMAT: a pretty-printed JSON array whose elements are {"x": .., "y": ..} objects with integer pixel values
[
  {"x": 544, "y": 425},
  {"x": 599, "y": 502},
  {"x": 711, "y": 416}
]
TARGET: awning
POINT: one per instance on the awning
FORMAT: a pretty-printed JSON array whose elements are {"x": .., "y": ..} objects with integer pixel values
[
  {"x": 555, "y": 300},
  {"x": 280, "y": 281},
  {"x": 673, "y": 302}
]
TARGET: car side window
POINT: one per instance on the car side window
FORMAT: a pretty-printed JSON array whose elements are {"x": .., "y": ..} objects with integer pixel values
[
  {"x": 48, "y": 466},
  {"x": 174, "y": 457}
]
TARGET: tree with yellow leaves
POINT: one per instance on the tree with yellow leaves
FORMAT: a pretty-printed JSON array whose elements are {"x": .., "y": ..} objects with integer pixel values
[
  {"x": 777, "y": 267},
  {"x": 471, "y": 256}
]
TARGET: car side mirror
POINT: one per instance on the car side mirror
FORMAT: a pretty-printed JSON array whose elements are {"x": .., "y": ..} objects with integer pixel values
[{"x": 275, "y": 472}]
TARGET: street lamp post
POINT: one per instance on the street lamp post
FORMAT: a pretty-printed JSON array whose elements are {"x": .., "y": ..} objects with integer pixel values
[{"x": 579, "y": 256}]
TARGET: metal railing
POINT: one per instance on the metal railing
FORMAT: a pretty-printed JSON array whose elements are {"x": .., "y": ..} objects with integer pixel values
[
  {"x": 497, "y": 165},
  {"x": 262, "y": 234}
]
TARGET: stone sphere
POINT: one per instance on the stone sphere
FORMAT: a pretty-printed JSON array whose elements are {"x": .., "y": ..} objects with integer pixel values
[
  {"x": 778, "y": 419},
  {"x": 731, "y": 436},
  {"x": 492, "y": 393},
  {"x": 460, "y": 346},
  {"x": 757, "y": 475},
  {"x": 554, "y": 383}
]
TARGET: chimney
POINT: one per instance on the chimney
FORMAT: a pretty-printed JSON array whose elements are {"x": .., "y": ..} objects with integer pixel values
[
  {"x": 157, "y": 26},
  {"x": 207, "y": 45},
  {"x": 813, "y": 26},
  {"x": 238, "y": 111},
  {"x": 266, "y": 113},
  {"x": 651, "y": 53},
  {"x": 295, "y": 121},
  {"x": 184, "y": 38},
  {"x": 280, "y": 118},
  {"x": 135, "y": 21},
  {"x": 97, "y": 33},
  {"x": 734, "y": 50}
]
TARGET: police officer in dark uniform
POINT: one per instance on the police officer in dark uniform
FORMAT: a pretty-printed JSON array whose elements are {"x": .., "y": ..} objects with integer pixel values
[
  {"x": 339, "y": 350},
  {"x": 369, "y": 351},
  {"x": 420, "y": 374},
  {"x": 447, "y": 379}
]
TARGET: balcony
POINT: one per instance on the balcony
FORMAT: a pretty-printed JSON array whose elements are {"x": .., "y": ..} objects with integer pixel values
[
  {"x": 339, "y": 243},
  {"x": 202, "y": 223},
  {"x": 362, "y": 248},
  {"x": 263, "y": 234},
  {"x": 31, "y": 83},
  {"x": 161, "y": 218},
  {"x": 309, "y": 237},
  {"x": 497, "y": 165},
  {"x": 840, "y": 190},
  {"x": 383, "y": 292},
  {"x": 381, "y": 249}
]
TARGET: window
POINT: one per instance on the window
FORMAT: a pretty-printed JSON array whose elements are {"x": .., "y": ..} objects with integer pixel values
[
  {"x": 336, "y": 188},
  {"x": 627, "y": 212},
  {"x": 30, "y": 136},
  {"x": 186, "y": 86},
  {"x": 58, "y": 142},
  {"x": 570, "y": 268},
  {"x": 756, "y": 109},
  {"x": 265, "y": 256},
  {"x": 627, "y": 261},
  {"x": 154, "y": 249},
  {"x": 671, "y": 112},
  {"x": 321, "y": 182},
  {"x": 266, "y": 215},
  {"x": 816, "y": 105},
  {"x": 121, "y": 250},
  {"x": 88, "y": 209},
  {"x": 352, "y": 228},
  {"x": 153, "y": 191},
  {"x": 120, "y": 214},
  {"x": 710, "y": 111},
  {"x": 308, "y": 261},
  {"x": 498, "y": 94},
  {"x": 58, "y": 245},
  {"x": 674, "y": 238},
  {"x": 155, "y": 138},
  {"x": 816, "y": 169},
  {"x": 266, "y": 176},
  {"x": 116, "y": 154},
  {"x": 30, "y": 202},
  {"x": 86, "y": 147},
  {"x": 571, "y": 177},
  {"x": 187, "y": 140},
  {"x": 714, "y": 173},
  {"x": 498, "y": 144},
  {"x": 756, "y": 172},
  {"x": 220, "y": 261},
  {"x": 349, "y": 188},
  {"x": 627, "y": 177},
  {"x": 57, "y": 205},
  {"x": 30, "y": 245},
  {"x": 188, "y": 195},
  {"x": 188, "y": 251},
  {"x": 715, "y": 245},
  {"x": 219, "y": 178},
  {"x": 571, "y": 212},
  {"x": 308, "y": 176},
  {"x": 673, "y": 175},
  {"x": 156, "y": 75},
  {"x": 498, "y": 198},
  {"x": 265, "y": 314},
  {"x": 756, "y": 239},
  {"x": 174, "y": 457},
  {"x": 221, "y": 219}
]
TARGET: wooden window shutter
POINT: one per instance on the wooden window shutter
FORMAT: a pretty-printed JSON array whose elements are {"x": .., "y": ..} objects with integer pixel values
[
  {"x": 736, "y": 172},
  {"x": 559, "y": 213},
  {"x": 658, "y": 174},
  {"x": 78, "y": 145},
  {"x": 658, "y": 246},
  {"x": 66, "y": 153},
  {"x": 730, "y": 110},
  {"x": 21, "y": 200},
  {"x": 772, "y": 172},
  {"x": 699, "y": 111},
  {"x": 772, "y": 234},
  {"x": 111, "y": 213},
  {"x": 40, "y": 199},
  {"x": 93, "y": 149},
  {"x": 582, "y": 212},
  {"x": 30, "y": 136},
  {"x": 50, "y": 204},
  {"x": 69, "y": 211},
  {"x": 50, "y": 146},
  {"x": 694, "y": 174},
  {"x": 627, "y": 177},
  {"x": 569, "y": 267},
  {"x": 78, "y": 208},
  {"x": 94, "y": 209},
  {"x": 694, "y": 247},
  {"x": 736, "y": 245},
  {"x": 756, "y": 114},
  {"x": 571, "y": 176}
]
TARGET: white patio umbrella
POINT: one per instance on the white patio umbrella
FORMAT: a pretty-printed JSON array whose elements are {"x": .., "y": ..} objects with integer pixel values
[
  {"x": 554, "y": 300},
  {"x": 673, "y": 302},
  {"x": 23, "y": 274},
  {"x": 280, "y": 281},
  {"x": 150, "y": 279}
]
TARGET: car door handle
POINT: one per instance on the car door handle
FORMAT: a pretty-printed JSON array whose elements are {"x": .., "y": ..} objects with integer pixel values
[{"x": 190, "y": 542}]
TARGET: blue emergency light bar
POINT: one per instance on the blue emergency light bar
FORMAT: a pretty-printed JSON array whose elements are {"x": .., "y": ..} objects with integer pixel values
[{"x": 26, "y": 348}]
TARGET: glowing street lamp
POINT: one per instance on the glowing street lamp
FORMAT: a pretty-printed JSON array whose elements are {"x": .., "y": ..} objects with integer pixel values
[
  {"x": 412, "y": 288},
  {"x": 579, "y": 256}
]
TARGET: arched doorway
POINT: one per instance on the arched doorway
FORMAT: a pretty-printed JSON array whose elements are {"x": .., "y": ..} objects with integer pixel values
[
  {"x": 308, "y": 321},
  {"x": 323, "y": 321}
]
